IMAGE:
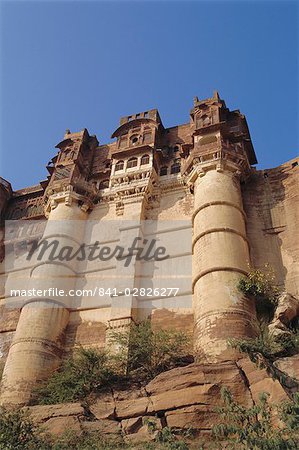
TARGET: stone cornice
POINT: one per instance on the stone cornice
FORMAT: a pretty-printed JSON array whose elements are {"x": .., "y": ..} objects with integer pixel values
[
  {"x": 68, "y": 196},
  {"x": 222, "y": 160}
]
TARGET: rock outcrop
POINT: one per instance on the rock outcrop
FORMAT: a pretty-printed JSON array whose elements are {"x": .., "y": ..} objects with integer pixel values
[
  {"x": 286, "y": 311},
  {"x": 182, "y": 398}
]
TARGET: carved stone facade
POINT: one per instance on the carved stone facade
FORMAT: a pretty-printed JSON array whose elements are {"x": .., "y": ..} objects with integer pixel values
[{"x": 201, "y": 172}]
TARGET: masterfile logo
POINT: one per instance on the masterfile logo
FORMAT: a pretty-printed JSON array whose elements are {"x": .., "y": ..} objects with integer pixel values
[{"x": 94, "y": 264}]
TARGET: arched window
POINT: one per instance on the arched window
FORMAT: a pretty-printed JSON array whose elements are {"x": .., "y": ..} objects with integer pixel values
[
  {"x": 163, "y": 171},
  {"x": 104, "y": 184},
  {"x": 134, "y": 139},
  {"x": 206, "y": 120},
  {"x": 132, "y": 162},
  {"x": 175, "y": 168},
  {"x": 119, "y": 166},
  {"x": 145, "y": 160}
]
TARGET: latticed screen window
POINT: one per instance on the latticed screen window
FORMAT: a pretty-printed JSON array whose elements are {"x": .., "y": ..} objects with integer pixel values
[
  {"x": 132, "y": 163},
  {"x": 119, "y": 165},
  {"x": 145, "y": 159}
]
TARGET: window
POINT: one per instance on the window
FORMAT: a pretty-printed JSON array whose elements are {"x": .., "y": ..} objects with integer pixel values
[
  {"x": 205, "y": 120},
  {"x": 163, "y": 171},
  {"x": 145, "y": 159},
  {"x": 104, "y": 184},
  {"x": 119, "y": 166},
  {"x": 134, "y": 139},
  {"x": 145, "y": 114},
  {"x": 132, "y": 162},
  {"x": 175, "y": 168}
]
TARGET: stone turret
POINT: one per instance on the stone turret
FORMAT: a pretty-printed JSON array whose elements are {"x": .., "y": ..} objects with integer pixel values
[
  {"x": 219, "y": 160},
  {"x": 37, "y": 346}
]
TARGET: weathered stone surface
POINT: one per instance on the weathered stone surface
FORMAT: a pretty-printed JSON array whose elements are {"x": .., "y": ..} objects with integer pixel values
[
  {"x": 287, "y": 309},
  {"x": 60, "y": 425},
  {"x": 105, "y": 427},
  {"x": 102, "y": 409},
  {"x": 130, "y": 393},
  {"x": 198, "y": 417},
  {"x": 143, "y": 430},
  {"x": 130, "y": 426},
  {"x": 289, "y": 365},
  {"x": 175, "y": 379},
  {"x": 41, "y": 413},
  {"x": 193, "y": 375},
  {"x": 142, "y": 435},
  {"x": 260, "y": 381},
  {"x": 203, "y": 394},
  {"x": 131, "y": 408}
]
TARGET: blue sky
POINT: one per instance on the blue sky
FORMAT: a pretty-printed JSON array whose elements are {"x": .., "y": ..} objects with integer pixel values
[{"x": 86, "y": 64}]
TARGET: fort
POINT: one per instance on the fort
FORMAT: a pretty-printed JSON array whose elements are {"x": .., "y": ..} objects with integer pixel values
[{"x": 199, "y": 177}]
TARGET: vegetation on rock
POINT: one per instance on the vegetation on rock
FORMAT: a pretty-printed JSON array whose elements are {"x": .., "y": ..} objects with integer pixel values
[
  {"x": 239, "y": 428},
  {"x": 267, "y": 346},
  {"x": 89, "y": 370},
  {"x": 86, "y": 371},
  {"x": 17, "y": 431},
  {"x": 261, "y": 285},
  {"x": 252, "y": 428},
  {"x": 150, "y": 351}
]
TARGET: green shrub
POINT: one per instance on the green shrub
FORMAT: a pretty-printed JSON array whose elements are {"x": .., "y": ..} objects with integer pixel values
[
  {"x": 267, "y": 344},
  {"x": 289, "y": 413},
  {"x": 86, "y": 441},
  {"x": 260, "y": 284},
  {"x": 88, "y": 370},
  {"x": 17, "y": 432},
  {"x": 150, "y": 351},
  {"x": 252, "y": 428},
  {"x": 170, "y": 441}
]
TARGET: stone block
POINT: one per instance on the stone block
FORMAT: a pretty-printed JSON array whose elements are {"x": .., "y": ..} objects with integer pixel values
[
  {"x": 60, "y": 425},
  {"x": 105, "y": 427},
  {"x": 41, "y": 413},
  {"x": 102, "y": 409},
  {"x": 207, "y": 394},
  {"x": 132, "y": 408},
  {"x": 198, "y": 417}
]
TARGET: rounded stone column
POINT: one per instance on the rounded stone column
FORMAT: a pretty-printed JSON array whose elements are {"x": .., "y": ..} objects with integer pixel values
[
  {"x": 220, "y": 258},
  {"x": 37, "y": 346}
]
